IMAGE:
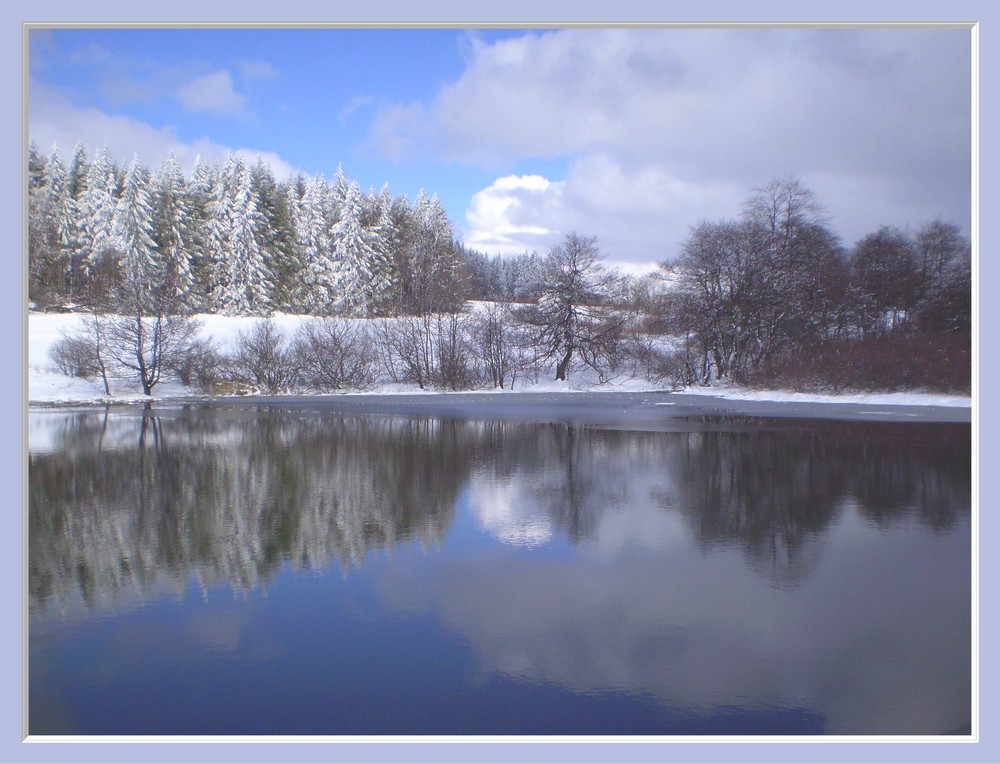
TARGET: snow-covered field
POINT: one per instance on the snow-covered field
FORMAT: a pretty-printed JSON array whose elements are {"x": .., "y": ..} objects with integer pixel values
[{"x": 46, "y": 384}]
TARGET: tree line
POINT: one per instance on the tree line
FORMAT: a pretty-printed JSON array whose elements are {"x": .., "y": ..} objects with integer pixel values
[
  {"x": 773, "y": 297},
  {"x": 233, "y": 240}
]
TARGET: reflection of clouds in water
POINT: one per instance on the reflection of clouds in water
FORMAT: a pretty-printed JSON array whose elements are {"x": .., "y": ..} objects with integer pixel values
[
  {"x": 518, "y": 510},
  {"x": 504, "y": 508},
  {"x": 670, "y": 589},
  {"x": 701, "y": 631},
  {"x": 643, "y": 521}
]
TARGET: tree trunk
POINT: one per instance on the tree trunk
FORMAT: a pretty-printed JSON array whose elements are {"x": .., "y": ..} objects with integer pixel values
[
  {"x": 100, "y": 358},
  {"x": 563, "y": 365}
]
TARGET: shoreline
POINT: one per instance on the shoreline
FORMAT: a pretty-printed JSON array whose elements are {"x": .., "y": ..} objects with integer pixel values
[{"x": 610, "y": 408}]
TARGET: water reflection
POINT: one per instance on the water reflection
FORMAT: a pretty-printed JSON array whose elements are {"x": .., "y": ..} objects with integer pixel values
[
  {"x": 147, "y": 499},
  {"x": 229, "y": 498},
  {"x": 729, "y": 576}
]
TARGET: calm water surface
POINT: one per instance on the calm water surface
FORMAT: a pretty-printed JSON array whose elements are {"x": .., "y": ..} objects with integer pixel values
[{"x": 212, "y": 570}]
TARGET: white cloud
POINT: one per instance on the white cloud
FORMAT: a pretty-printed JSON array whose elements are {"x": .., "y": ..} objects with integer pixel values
[
  {"x": 213, "y": 93},
  {"x": 639, "y": 215},
  {"x": 54, "y": 120},
  {"x": 507, "y": 216},
  {"x": 397, "y": 129},
  {"x": 665, "y": 127}
]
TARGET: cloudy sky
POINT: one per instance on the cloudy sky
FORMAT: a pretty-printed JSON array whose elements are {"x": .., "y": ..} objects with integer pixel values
[{"x": 630, "y": 134}]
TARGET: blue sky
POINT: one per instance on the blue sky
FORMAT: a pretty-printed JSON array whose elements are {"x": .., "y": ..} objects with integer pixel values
[{"x": 631, "y": 135}]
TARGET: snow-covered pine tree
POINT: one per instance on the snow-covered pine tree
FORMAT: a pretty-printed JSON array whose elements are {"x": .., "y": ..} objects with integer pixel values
[
  {"x": 355, "y": 257},
  {"x": 338, "y": 189},
  {"x": 276, "y": 234},
  {"x": 97, "y": 211},
  {"x": 173, "y": 228},
  {"x": 76, "y": 186},
  {"x": 59, "y": 215},
  {"x": 243, "y": 285},
  {"x": 434, "y": 263},
  {"x": 295, "y": 191},
  {"x": 317, "y": 288},
  {"x": 36, "y": 226},
  {"x": 385, "y": 277},
  {"x": 139, "y": 264},
  {"x": 204, "y": 227},
  {"x": 215, "y": 227}
]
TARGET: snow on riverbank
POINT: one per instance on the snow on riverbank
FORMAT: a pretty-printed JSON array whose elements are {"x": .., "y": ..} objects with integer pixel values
[
  {"x": 788, "y": 396},
  {"x": 46, "y": 384}
]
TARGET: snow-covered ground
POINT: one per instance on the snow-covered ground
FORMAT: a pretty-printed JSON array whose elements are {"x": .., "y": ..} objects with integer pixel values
[
  {"x": 46, "y": 384},
  {"x": 893, "y": 399}
]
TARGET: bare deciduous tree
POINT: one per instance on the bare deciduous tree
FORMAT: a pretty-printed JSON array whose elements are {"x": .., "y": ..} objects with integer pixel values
[
  {"x": 431, "y": 350},
  {"x": 143, "y": 344},
  {"x": 496, "y": 341},
  {"x": 574, "y": 317}
]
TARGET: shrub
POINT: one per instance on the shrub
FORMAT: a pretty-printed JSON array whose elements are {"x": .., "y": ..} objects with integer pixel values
[
  {"x": 200, "y": 365},
  {"x": 75, "y": 356},
  {"x": 333, "y": 354},
  {"x": 263, "y": 359},
  {"x": 890, "y": 363}
]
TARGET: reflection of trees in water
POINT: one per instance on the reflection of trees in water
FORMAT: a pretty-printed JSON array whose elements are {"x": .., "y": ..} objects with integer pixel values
[
  {"x": 231, "y": 498},
  {"x": 130, "y": 497},
  {"x": 773, "y": 490},
  {"x": 766, "y": 491},
  {"x": 934, "y": 481}
]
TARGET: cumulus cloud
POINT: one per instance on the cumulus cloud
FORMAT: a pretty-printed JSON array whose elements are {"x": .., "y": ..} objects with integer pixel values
[
  {"x": 512, "y": 212},
  {"x": 55, "y": 120},
  {"x": 670, "y": 122},
  {"x": 213, "y": 93},
  {"x": 639, "y": 214}
]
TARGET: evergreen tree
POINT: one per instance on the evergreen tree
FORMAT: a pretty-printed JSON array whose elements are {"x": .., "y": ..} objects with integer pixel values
[
  {"x": 233, "y": 239},
  {"x": 243, "y": 283},
  {"x": 360, "y": 269},
  {"x": 97, "y": 212},
  {"x": 139, "y": 264},
  {"x": 204, "y": 228},
  {"x": 36, "y": 222},
  {"x": 385, "y": 277},
  {"x": 48, "y": 260},
  {"x": 215, "y": 230},
  {"x": 76, "y": 187},
  {"x": 317, "y": 289},
  {"x": 173, "y": 228},
  {"x": 277, "y": 234},
  {"x": 338, "y": 189},
  {"x": 433, "y": 263}
]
